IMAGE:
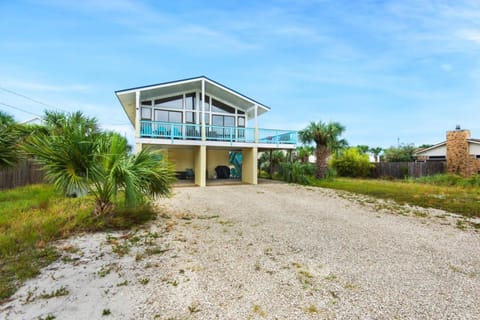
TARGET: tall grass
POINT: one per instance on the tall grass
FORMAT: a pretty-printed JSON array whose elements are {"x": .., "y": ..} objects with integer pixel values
[
  {"x": 448, "y": 180},
  {"x": 32, "y": 217},
  {"x": 464, "y": 200}
]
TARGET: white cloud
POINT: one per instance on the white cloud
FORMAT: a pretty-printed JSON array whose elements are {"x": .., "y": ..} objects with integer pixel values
[{"x": 470, "y": 35}]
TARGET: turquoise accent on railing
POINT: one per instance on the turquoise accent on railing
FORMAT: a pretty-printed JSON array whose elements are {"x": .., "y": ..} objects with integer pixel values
[
  {"x": 277, "y": 136},
  {"x": 170, "y": 130},
  {"x": 184, "y": 131},
  {"x": 230, "y": 134}
]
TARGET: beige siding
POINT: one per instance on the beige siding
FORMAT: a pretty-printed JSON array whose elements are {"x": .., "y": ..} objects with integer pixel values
[
  {"x": 216, "y": 158},
  {"x": 181, "y": 158}
]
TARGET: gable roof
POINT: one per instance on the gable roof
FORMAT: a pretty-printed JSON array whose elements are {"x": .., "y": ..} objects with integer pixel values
[
  {"x": 430, "y": 148},
  {"x": 241, "y": 101},
  {"x": 441, "y": 144}
]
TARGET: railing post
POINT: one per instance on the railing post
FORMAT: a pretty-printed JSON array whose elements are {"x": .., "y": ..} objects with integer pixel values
[
  {"x": 171, "y": 132},
  {"x": 231, "y": 135}
]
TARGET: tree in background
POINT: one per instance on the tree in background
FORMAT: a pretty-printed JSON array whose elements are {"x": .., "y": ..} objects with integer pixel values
[
  {"x": 363, "y": 149},
  {"x": 270, "y": 161},
  {"x": 79, "y": 158},
  {"x": 304, "y": 152},
  {"x": 327, "y": 141},
  {"x": 376, "y": 152},
  {"x": 351, "y": 163},
  {"x": 402, "y": 153},
  {"x": 8, "y": 140}
]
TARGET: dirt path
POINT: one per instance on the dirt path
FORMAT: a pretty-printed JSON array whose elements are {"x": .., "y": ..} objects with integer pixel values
[{"x": 266, "y": 252}]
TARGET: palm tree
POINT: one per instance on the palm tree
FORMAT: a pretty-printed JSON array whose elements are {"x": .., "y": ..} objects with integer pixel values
[
  {"x": 78, "y": 158},
  {"x": 304, "y": 152},
  {"x": 327, "y": 140},
  {"x": 143, "y": 175}
]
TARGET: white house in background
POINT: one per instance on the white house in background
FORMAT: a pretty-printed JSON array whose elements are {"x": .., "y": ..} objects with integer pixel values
[
  {"x": 460, "y": 151},
  {"x": 202, "y": 125}
]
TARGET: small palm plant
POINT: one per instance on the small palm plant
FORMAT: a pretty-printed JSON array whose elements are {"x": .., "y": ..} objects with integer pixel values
[{"x": 79, "y": 158}]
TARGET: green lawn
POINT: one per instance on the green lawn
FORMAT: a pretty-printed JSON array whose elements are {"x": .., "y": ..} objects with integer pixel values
[
  {"x": 464, "y": 200},
  {"x": 33, "y": 216}
]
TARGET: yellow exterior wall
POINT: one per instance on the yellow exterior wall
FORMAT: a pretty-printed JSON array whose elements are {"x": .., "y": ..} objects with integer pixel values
[
  {"x": 181, "y": 158},
  {"x": 200, "y": 157},
  {"x": 249, "y": 165},
  {"x": 216, "y": 158}
]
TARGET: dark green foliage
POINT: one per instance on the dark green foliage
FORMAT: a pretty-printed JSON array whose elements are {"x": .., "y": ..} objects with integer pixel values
[
  {"x": 403, "y": 153},
  {"x": 297, "y": 172},
  {"x": 79, "y": 158},
  {"x": 326, "y": 137},
  {"x": 270, "y": 161},
  {"x": 351, "y": 163},
  {"x": 363, "y": 149}
]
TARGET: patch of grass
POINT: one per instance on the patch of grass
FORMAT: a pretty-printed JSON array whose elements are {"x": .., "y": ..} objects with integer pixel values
[
  {"x": 122, "y": 284},
  {"x": 62, "y": 291},
  {"x": 48, "y": 317},
  {"x": 106, "y": 312},
  {"x": 32, "y": 217},
  {"x": 194, "y": 308},
  {"x": 331, "y": 277},
  {"x": 155, "y": 250},
  {"x": 105, "y": 270},
  {"x": 121, "y": 249},
  {"x": 144, "y": 281},
  {"x": 312, "y": 309},
  {"x": 464, "y": 200},
  {"x": 258, "y": 310},
  {"x": 461, "y": 225}
]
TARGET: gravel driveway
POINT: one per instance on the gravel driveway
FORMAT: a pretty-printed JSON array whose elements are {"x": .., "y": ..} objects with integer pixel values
[{"x": 278, "y": 251}]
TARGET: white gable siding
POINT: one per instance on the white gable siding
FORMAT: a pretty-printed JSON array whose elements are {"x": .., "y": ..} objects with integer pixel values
[
  {"x": 474, "y": 148},
  {"x": 439, "y": 151}
]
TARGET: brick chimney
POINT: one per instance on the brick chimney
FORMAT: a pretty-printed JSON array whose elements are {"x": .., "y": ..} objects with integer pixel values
[{"x": 457, "y": 152}]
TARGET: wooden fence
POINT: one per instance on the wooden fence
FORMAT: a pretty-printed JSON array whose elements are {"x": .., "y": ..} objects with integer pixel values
[
  {"x": 24, "y": 173},
  {"x": 400, "y": 170}
]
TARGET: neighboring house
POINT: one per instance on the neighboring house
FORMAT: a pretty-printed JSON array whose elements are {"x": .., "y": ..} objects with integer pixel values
[
  {"x": 201, "y": 124},
  {"x": 461, "y": 152}
]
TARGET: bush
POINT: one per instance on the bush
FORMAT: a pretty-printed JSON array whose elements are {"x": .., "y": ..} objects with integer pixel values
[
  {"x": 297, "y": 172},
  {"x": 351, "y": 164},
  {"x": 402, "y": 153},
  {"x": 263, "y": 174}
]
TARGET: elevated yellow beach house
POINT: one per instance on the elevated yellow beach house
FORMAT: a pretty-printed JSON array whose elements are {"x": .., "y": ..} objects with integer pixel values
[{"x": 206, "y": 129}]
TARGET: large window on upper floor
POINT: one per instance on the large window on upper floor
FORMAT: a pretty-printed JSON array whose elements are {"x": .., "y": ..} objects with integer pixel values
[
  {"x": 183, "y": 108},
  {"x": 170, "y": 102},
  {"x": 221, "y": 107},
  {"x": 168, "y": 116}
]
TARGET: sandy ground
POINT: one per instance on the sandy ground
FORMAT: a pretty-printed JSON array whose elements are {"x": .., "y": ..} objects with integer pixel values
[{"x": 272, "y": 251}]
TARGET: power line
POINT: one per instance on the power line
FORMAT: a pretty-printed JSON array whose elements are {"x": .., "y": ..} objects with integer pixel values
[
  {"x": 19, "y": 109},
  {"x": 31, "y": 99}
]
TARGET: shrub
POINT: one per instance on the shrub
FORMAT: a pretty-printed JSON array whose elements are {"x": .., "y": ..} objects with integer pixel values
[
  {"x": 263, "y": 174},
  {"x": 350, "y": 163},
  {"x": 297, "y": 172}
]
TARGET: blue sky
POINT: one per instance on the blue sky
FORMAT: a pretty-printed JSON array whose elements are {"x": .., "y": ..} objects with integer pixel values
[{"x": 390, "y": 71}]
